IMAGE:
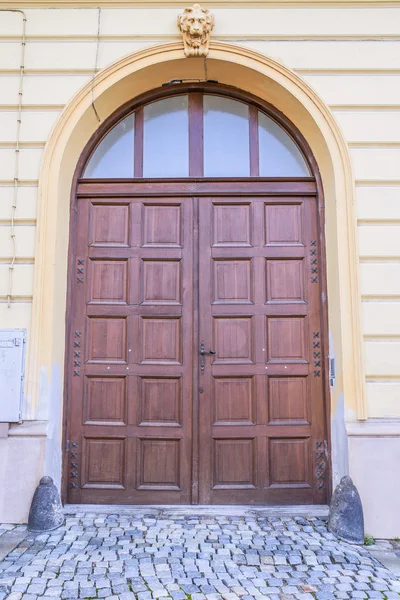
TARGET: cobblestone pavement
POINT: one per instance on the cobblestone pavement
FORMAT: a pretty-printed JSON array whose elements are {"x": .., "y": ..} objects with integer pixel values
[{"x": 196, "y": 557}]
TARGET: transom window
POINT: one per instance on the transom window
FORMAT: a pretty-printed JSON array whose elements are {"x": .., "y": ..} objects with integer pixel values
[{"x": 196, "y": 135}]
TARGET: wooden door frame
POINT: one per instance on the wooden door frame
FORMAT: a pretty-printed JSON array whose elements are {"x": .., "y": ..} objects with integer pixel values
[{"x": 196, "y": 187}]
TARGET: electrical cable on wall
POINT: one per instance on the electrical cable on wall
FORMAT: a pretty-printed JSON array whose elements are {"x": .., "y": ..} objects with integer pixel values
[
  {"x": 16, "y": 161},
  {"x": 96, "y": 61}
]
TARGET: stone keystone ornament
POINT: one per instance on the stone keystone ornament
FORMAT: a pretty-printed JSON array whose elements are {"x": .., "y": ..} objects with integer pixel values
[
  {"x": 346, "y": 518},
  {"x": 46, "y": 510},
  {"x": 196, "y": 24}
]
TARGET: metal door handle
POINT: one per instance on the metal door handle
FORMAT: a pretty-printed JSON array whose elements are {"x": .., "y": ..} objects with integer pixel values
[{"x": 202, "y": 355}]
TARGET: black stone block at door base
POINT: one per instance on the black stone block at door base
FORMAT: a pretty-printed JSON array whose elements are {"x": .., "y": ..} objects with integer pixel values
[
  {"x": 46, "y": 510},
  {"x": 346, "y": 518}
]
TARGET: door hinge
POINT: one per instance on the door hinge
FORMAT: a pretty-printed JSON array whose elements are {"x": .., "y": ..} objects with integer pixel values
[
  {"x": 332, "y": 371},
  {"x": 67, "y": 446}
]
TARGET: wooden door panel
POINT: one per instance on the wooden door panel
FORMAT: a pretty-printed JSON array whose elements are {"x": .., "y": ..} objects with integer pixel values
[
  {"x": 234, "y": 401},
  {"x": 286, "y": 339},
  {"x": 162, "y": 225},
  {"x": 104, "y": 463},
  {"x": 288, "y": 400},
  {"x": 108, "y": 281},
  {"x": 262, "y": 410},
  {"x": 289, "y": 462},
  {"x": 161, "y": 281},
  {"x": 232, "y": 224},
  {"x": 106, "y": 339},
  {"x": 233, "y": 281},
  {"x": 160, "y": 401},
  {"x": 285, "y": 281},
  {"x": 234, "y": 463},
  {"x": 233, "y": 339},
  {"x": 131, "y": 344},
  {"x": 109, "y": 224},
  {"x": 159, "y": 463},
  {"x": 105, "y": 401},
  {"x": 284, "y": 224},
  {"x": 161, "y": 340}
]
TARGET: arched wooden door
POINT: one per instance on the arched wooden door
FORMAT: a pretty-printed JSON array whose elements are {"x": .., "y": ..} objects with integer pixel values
[{"x": 196, "y": 365}]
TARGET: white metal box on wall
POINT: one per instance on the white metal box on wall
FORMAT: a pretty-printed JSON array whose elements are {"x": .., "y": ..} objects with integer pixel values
[{"x": 12, "y": 358}]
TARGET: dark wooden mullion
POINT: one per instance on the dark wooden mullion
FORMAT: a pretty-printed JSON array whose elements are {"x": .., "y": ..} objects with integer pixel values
[
  {"x": 196, "y": 157},
  {"x": 199, "y": 187},
  {"x": 254, "y": 153},
  {"x": 138, "y": 141},
  {"x": 196, "y": 350}
]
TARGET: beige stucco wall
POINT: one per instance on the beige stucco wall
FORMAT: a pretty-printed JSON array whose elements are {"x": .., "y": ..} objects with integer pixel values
[{"x": 349, "y": 54}]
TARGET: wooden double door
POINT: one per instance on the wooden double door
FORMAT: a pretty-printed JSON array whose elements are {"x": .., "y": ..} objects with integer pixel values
[{"x": 157, "y": 283}]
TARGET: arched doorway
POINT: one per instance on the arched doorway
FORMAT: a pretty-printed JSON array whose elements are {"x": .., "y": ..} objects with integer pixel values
[{"x": 197, "y": 337}]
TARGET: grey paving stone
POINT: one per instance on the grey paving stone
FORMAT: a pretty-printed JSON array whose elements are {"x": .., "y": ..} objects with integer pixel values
[{"x": 138, "y": 557}]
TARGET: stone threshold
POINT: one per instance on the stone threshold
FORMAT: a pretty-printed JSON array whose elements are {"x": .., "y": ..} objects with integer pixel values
[{"x": 307, "y": 511}]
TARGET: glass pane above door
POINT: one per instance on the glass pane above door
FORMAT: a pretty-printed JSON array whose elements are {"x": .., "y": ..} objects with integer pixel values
[
  {"x": 226, "y": 137},
  {"x": 166, "y": 138},
  {"x": 113, "y": 157},
  {"x": 279, "y": 156},
  {"x": 197, "y": 135}
]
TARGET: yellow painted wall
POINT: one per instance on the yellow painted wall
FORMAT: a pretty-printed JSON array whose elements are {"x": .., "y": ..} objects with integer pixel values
[{"x": 349, "y": 54}]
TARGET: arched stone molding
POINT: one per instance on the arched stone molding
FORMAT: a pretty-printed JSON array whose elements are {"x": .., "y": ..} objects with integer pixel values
[{"x": 112, "y": 87}]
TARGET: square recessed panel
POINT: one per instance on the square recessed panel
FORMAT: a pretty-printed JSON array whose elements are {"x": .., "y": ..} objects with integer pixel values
[
  {"x": 104, "y": 463},
  {"x": 285, "y": 280},
  {"x": 108, "y": 281},
  {"x": 234, "y": 463},
  {"x": 289, "y": 462},
  {"x": 233, "y": 339},
  {"x": 232, "y": 281},
  {"x": 231, "y": 225},
  {"x": 161, "y": 340},
  {"x": 159, "y": 463},
  {"x": 283, "y": 225},
  {"x": 162, "y": 225},
  {"x": 160, "y": 401},
  {"x": 109, "y": 225},
  {"x": 105, "y": 400},
  {"x": 161, "y": 281},
  {"x": 107, "y": 339},
  {"x": 286, "y": 339},
  {"x": 287, "y": 399},
  {"x": 234, "y": 400}
]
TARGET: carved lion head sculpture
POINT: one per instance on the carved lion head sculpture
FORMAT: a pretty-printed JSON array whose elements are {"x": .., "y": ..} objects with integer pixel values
[{"x": 196, "y": 24}]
